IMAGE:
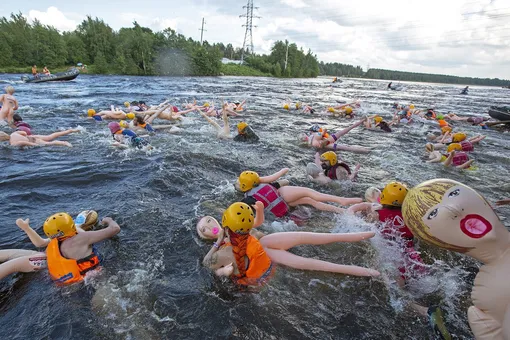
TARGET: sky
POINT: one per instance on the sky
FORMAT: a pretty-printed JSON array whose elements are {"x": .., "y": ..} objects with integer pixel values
[{"x": 457, "y": 37}]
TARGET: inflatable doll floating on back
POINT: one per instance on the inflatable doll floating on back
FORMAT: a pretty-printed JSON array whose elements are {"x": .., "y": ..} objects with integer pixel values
[{"x": 453, "y": 216}]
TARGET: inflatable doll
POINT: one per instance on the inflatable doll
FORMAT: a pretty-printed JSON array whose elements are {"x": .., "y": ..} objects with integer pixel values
[{"x": 455, "y": 217}]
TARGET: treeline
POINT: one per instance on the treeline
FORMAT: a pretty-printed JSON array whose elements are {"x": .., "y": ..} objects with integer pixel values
[
  {"x": 286, "y": 60},
  {"x": 433, "y": 78},
  {"x": 337, "y": 69},
  {"x": 135, "y": 51}
]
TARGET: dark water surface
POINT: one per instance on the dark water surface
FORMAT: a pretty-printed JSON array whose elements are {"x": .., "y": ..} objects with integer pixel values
[{"x": 152, "y": 284}]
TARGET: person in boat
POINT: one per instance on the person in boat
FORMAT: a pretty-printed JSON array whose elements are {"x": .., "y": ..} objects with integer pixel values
[
  {"x": 9, "y": 104},
  {"x": 45, "y": 71},
  {"x": 125, "y": 137},
  {"x": 245, "y": 133},
  {"x": 335, "y": 80},
  {"x": 35, "y": 74},
  {"x": 385, "y": 208},
  {"x": 327, "y": 168},
  {"x": 22, "y": 138},
  {"x": 319, "y": 141},
  {"x": 465, "y": 91},
  {"x": 70, "y": 251},
  {"x": 251, "y": 262},
  {"x": 277, "y": 198}
]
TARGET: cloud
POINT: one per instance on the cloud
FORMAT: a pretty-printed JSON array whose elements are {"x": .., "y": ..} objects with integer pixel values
[
  {"x": 294, "y": 3},
  {"x": 53, "y": 17}
]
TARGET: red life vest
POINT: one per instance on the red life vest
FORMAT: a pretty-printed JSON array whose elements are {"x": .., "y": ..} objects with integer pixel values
[
  {"x": 466, "y": 146},
  {"x": 270, "y": 197},
  {"x": 331, "y": 171},
  {"x": 460, "y": 158},
  {"x": 394, "y": 224}
]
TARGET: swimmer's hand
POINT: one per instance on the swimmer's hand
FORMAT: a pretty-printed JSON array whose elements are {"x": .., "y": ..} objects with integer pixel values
[
  {"x": 107, "y": 221},
  {"x": 503, "y": 202},
  {"x": 23, "y": 224}
]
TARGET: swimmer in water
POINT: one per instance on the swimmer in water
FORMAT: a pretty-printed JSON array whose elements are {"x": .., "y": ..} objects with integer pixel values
[
  {"x": 308, "y": 109},
  {"x": 258, "y": 257},
  {"x": 447, "y": 138},
  {"x": 9, "y": 104},
  {"x": 245, "y": 133},
  {"x": 317, "y": 140},
  {"x": 124, "y": 138},
  {"x": 168, "y": 113},
  {"x": 70, "y": 250},
  {"x": 22, "y": 138},
  {"x": 454, "y": 156},
  {"x": 19, "y": 124},
  {"x": 379, "y": 123},
  {"x": 329, "y": 168},
  {"x": 278, "y": 198},
  {"x": 390, "y": 222},
  {"x": 221, "y": 132},
  {"x": 115, "y": 113}
]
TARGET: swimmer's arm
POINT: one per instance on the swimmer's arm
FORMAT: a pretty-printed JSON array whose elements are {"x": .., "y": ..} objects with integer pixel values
[
  {"x": 233, "y": 113},
  {"x": 225, "y": 271},
  {"x": 318, "y": 159},
  {"x": 91, "y": 237},
  {"x": 15, "y": 104},
  {"x": 212, "y": 259},
  {"x": 259, "y": 214},
  {"x": 274, "y": 177},
  {"x": 120, "y": 145},
  {"x": 36, "y": 240},
  {"x": 212, "y": 122}
]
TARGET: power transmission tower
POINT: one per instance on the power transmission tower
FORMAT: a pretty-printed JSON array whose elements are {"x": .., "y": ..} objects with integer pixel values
[
  {"x": 249, "y": 28},
  {"x": 202, "y": 29}
]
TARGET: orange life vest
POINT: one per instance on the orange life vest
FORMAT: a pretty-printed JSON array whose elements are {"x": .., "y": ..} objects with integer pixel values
[
  {"x": 260, "y": 268},
  {"x": 68, "y": 271}
]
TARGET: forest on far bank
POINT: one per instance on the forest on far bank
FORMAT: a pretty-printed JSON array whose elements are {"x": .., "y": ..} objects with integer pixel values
[{"x": 138, "y": 50}]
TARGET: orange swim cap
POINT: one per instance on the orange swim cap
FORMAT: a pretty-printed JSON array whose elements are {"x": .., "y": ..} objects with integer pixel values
[{"x": 442, "y": 123}]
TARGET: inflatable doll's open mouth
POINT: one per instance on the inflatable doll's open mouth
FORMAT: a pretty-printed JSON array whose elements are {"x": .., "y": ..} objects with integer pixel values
[{"x": 475, "y": 226}]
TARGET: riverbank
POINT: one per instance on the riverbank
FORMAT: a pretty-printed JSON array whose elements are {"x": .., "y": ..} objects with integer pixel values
[{"x": 226, "y": 69}]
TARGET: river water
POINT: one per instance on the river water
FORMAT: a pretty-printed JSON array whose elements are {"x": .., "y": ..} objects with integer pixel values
[{"x": 152, "y": 284}]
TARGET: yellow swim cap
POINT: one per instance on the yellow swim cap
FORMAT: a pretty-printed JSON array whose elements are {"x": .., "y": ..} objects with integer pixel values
[
  {"x": 239, "y": 218},
  {"x": 298, "y": 105},
  {"x": 330, "y": 109},
  {"x": 393, "y": 194},
  {"x": 59, "y": 225},
  {"x": 248, "y": 180},
  {"x": 348, "y": 110},
  {"x": 458, "y": 137},
  {"x": 123, "y": 124},
  {"x": 126, "y": 104},
  {"x": 206, "y": 104},
  {"x": 378, "y": 119},
  {"x": 446, "y": 129},
  {"x": 241, "y": 126},
  {"x": 91, "y": 112},
  {"x": 130, "y": 115},
  {"x": 411, "y": 106},
  {"x": 286, "y": 106},
  {"x": 330, "y": 157},
  {"x": 454, "y": 146}
]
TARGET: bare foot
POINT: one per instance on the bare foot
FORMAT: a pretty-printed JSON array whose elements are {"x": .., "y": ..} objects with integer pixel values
[{"x": 67, "y": 144}]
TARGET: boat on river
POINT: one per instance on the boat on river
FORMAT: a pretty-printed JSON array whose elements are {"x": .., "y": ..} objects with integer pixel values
[
  {"x": 61, "y": 76},
  {"x": 500, "y": 113}
]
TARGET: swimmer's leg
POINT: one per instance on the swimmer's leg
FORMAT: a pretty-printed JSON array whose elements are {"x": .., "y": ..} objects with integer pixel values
[
  {"x": 477, "y": 139},
  {"x": 291, "y": 194},
  {"x": 55, "y": 135},
  {"x": 316, "y": 205},
  {"x": 466, "y": 165},
  {"x": 449, "y": 160},
  {"x": 24, "y": 263},
  {"x": 287, "y": 240},
  {"x": 340, "y": 133},
  {"x": 351, "y": 148},
  {"x": 298, "y": 262}
]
